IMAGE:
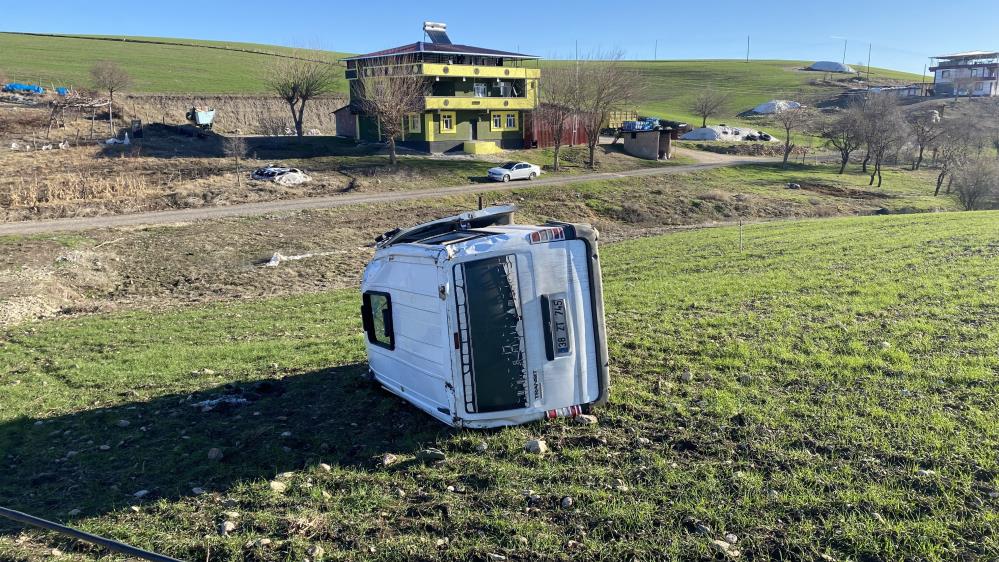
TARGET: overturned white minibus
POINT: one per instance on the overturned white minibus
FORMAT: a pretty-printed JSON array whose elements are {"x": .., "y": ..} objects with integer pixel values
[{"x": 483, "y": 323}]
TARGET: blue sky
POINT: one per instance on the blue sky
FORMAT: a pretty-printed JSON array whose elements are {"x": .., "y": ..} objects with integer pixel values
[{"x": 903, "y": 34}]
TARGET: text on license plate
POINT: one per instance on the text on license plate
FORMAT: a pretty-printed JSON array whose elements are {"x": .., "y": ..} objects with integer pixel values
[{"x": 560, "y": 330}]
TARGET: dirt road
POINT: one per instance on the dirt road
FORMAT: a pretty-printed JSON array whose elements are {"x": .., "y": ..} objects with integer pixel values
[{"x": 706, "y": 161}]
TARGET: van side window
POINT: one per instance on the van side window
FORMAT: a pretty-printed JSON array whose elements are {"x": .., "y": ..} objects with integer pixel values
[{"x": 376, "y": 315}]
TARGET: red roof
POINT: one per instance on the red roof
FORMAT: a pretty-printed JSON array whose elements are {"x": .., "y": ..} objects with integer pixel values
[{"x": 441, "y": 48}]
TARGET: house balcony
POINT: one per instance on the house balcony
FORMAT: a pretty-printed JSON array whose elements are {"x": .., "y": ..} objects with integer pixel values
[
  {"x": 473, "y": 71},
  {"x": 485, "y": 103}
]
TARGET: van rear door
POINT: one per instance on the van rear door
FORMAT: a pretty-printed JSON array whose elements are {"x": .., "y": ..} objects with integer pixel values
[{"x": 565, "y": 356}]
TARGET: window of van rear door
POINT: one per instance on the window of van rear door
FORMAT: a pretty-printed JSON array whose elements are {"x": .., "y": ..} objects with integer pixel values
[{"x": 491, "y": 334}]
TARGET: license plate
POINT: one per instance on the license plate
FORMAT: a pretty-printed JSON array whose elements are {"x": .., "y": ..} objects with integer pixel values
[{"x": 560, "y": 327}]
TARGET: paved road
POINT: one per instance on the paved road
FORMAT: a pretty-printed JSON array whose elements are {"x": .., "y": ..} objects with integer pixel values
[{"x": 330, "y": 201}]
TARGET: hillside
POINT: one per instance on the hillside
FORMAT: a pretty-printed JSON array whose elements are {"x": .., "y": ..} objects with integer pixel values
[
  {"x": 837, "y": 407},
  {"x": 157, "y": 65},
  {"x": 167, "y": 66},
  {"x": 672, "y": 85}
]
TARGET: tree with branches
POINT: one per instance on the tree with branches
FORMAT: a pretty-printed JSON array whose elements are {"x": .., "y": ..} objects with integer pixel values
[
  {"x": 886, "y": 130},
  {"x": 235, "y": 146},
  {"x": 109, "y": 77},
  {"x": 978, "y": 183},
  {"x": 926, "y": 128},
  {"x": 956, "y": 147},
  {"x": 844, "y": 133},
  {"x": 604, "y": 86},
  {"x": 708, "y": 103},
  {"x": 392, "y": 95},
  {"x": 296, "y": 81},
  {"x": 558, "y": 102},
  {"x": 791, "y": 120}
]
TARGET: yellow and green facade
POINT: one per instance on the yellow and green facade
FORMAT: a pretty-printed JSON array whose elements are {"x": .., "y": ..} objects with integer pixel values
[{"x": 477, "y": 98}]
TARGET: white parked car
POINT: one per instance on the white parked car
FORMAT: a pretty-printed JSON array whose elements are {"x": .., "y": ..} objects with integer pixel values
[{"x": 514, "y": 171}]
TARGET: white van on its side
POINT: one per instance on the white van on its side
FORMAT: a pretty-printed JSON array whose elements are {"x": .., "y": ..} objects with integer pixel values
[{"x": 483, "y": 323}]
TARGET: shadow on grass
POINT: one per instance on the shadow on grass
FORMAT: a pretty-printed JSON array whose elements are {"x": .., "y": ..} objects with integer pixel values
[
  {"x": 187, "y": 141},
  {"x": 95, "y": 461}
]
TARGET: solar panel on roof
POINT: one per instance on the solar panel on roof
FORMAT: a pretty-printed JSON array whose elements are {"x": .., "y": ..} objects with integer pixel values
[{"x": 438, "y": 36}]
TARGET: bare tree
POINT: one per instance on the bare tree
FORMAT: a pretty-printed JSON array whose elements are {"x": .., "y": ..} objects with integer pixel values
[
  {"x": 978, "y": 183},
  {"x": 791, "y": 120},
  {"x": 926, "y": 129},
  {"x": 558, "y": 101},
  {"x": 708, "y": 103},
  {"x": 956, "y": 146},
  {"x": 885, "y": 130},
  {"x": 297, "y": 81},
  {"x": 109, "y": 77},
  {"x": 844, "y": 133},
  {"x": 992, "y": 122},
  {"x": 235, "y": 146},
  {"x": 391, "y": 95},
  {"x": 604, "y": 86}
]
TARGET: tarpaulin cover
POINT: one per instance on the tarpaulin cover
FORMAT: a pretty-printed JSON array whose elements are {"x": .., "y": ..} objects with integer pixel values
[{"x": 23, "y": 88}]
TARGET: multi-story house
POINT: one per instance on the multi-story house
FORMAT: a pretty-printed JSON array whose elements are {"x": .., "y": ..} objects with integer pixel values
[
  {"x": 476, "y": 96},
  {"x": 966, "y": 74}
]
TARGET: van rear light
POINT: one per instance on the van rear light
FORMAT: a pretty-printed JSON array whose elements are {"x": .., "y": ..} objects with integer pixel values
[
  {"x": 547, "y": 235},
  {"x": 570, "y": 412}
]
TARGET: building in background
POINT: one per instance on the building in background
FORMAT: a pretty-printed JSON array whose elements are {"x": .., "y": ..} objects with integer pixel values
[
  {"x": 477, "y": 100},
  {"x": 972, "y": 73}
]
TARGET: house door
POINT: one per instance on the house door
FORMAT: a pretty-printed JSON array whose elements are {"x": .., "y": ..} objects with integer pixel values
[{"x": 475, "y": 128}]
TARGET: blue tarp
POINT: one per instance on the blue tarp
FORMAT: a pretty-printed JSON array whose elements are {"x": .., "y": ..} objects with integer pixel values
[
  {"x": 62, "y": 91},
  {"x": 642, "y": 125},
  {"x": 23, "y": 88}
]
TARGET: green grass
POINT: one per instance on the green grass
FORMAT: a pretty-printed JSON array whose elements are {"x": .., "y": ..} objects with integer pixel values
[
  {"x": 185, "y": 69},
  {"x": 66, "y": 61},
  {"x": 831, "y": 361},
  {"x": 672, "y": 85}
]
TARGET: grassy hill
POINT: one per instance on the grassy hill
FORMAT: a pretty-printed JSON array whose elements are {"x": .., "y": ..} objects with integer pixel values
[
  {"x": 672, "y": 85},
  {"x": 157, "y": 65},
  {"x": 184, "y": 66},
  {"x": 840, "y": 404}
]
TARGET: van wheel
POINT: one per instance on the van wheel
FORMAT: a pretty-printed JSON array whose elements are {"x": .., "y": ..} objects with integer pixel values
[
  {"x": 506, "y": 178},
  {"x": 532, "y": 176}
]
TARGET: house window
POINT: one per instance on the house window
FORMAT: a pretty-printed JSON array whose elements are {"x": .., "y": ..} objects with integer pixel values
[
  {"x": 504, "y": 121},
  {"x": 945, "y": 74},
  {"x": 448, "y": 122},
  {"x": 480, "y": 89},
  {"x": 505, "y": 89},
  {"x": 414, "y": 123},
  {"x": 376, "y": 317}
]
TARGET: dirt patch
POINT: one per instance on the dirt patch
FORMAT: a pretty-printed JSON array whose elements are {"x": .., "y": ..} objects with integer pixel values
[
  {"x": 164, "y": 266},
  {"x": 839, "y": 191}
]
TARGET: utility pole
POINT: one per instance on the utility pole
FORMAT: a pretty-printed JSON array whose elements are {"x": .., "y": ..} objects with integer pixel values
[
  {"x": 844, "y": 51},
  {"x": 747, "y": 48},
  {"x": 655, "y": 51},
  {"x": 869, "y": 46}
]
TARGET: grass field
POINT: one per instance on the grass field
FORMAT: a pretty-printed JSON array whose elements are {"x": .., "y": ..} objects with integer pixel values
[
  {"x": 672, "y": 85},
  {"x": 155, "y": 68},
  {"x": 841, "y": 403},
  {"x": 161, "y": 68}
]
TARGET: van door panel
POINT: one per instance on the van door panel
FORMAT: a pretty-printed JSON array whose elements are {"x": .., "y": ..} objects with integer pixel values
[{"x": 560, "y": 273}]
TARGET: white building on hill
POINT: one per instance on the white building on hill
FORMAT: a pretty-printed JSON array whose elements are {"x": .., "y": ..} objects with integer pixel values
[{"x": 972, "y": 73}]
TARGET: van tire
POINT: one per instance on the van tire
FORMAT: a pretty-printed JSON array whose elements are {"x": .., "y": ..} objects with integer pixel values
[{"x": 506, "y": 178}]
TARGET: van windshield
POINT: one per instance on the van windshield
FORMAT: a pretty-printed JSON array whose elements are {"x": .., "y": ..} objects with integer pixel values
[{"x": 491, "y": 330}]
